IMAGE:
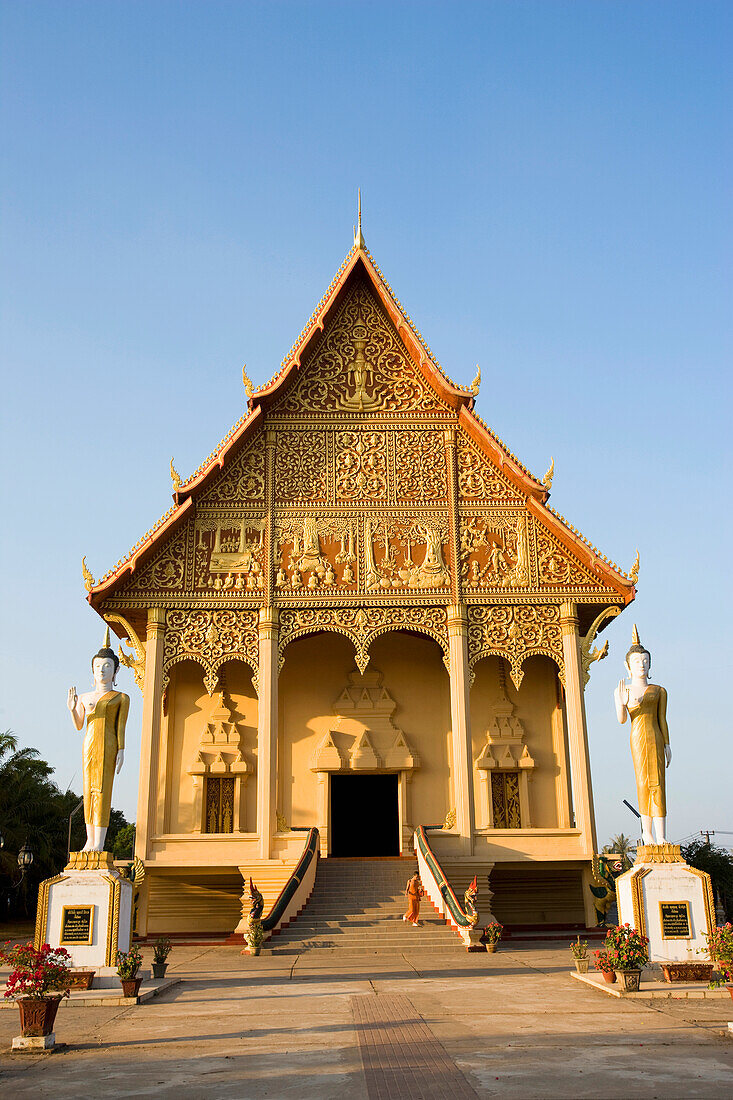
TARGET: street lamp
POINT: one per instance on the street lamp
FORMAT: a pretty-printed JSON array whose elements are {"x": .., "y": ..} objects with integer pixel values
[{"x": 25, "y": 858}]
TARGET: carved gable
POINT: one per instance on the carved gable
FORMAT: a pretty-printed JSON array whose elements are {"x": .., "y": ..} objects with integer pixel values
[{"x": 359, "y": 365}]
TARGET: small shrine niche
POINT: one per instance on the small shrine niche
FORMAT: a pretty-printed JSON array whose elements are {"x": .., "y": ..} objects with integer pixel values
[
  {"x": 220, "y": 773},
  {"x": 364, "y": 739},
  {"x": 505, "y": 767}
]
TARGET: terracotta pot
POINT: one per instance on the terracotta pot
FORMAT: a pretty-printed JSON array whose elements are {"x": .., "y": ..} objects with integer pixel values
[
  {"x": 687, "y": 972},
  {"x": 629, "y": 979},
  {"x": 82, "y": 979},
  {"x": 491, "y": 947},
  {"x": 730, "y": 990},
  {"x": 130, "y": 986},
  {"x": 37, "y": 1015},
  {"x": 581, "y": 965},
  {"x": 609, "y": 976},
  {"x": 159, "y": 969}
]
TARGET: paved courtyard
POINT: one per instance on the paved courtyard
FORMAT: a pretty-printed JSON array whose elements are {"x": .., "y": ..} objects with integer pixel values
[{"x": 318, "y": 1025}]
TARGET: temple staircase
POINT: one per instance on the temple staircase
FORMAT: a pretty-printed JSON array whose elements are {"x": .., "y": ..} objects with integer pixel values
[{"x": 356, "y": 908}]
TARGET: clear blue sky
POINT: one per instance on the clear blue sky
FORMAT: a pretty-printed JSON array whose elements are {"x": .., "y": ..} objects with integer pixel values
[{"x": 546, "y": 187}]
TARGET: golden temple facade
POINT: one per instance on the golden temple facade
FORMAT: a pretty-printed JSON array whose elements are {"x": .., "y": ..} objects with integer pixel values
[{"x": 361, "y": 614}]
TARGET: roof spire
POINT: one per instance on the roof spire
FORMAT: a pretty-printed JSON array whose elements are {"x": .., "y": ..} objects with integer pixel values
[{"x": 358, "y": 237}]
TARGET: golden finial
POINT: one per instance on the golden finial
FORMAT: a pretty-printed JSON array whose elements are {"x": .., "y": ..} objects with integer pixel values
[
  {"x": 105, "y": 643},
  {"x": 248, "y": 387},
  {"x": 635, "y": 636},
  {"x": 358, "y": 236},
  {"x": 547, "y": 479},
  {"x": 89, "y": 581},
  {"x": 175, "y": 478},
  {"x": 634, "y": 574},
  {"x": 474, "y": 387}
]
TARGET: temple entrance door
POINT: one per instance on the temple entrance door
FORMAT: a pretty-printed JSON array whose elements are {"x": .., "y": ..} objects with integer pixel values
[{"x": 364, "y": 815}]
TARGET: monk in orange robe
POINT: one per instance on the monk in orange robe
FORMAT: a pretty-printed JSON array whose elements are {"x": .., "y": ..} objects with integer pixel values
[{"x": 413, "y": 893}]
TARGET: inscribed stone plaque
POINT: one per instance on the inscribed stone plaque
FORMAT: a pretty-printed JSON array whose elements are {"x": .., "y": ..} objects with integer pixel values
[
  {"x": 76, "y": 924},
  {"x": 675, "y": 920}
]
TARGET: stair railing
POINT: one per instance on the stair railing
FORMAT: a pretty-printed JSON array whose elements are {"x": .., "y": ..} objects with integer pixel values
[
  {"x": 439, "y": 890},
  {"x": 297, "y": 889}
]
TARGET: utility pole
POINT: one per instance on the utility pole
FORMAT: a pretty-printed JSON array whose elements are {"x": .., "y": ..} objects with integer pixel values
[{"x": 707, "y": 833}]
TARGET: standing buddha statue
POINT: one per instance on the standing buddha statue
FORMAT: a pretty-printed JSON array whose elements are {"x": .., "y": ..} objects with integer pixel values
[
  {"x": 646, "y": 705},
  {"x": 105, "y": 711}
]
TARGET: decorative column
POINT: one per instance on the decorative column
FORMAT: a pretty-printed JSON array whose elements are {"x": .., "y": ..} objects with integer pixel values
[
  {"x": 150, "y": 736},
  {"x": 559, "y": 742},
  {"x": 461, "y": 725},
  {"x": 578, "y": 745},
  {"x": 267, "y": 723},
  {"x": 147, "y": 792}
]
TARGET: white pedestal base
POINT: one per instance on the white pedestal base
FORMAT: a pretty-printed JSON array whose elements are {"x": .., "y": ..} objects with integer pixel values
[
  {"x": 110, "y": 897},
  {"x": 661, "y": 885},
  {"x": 32, "y": 1043}
]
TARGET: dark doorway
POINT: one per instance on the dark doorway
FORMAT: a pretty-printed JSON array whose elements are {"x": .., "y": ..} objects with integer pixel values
[{"x": 364, "y": 815}]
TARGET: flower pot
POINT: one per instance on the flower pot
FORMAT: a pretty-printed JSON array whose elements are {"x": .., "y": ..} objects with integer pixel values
[
  {"x": 491, "y": 947},
  {"x": 609, "y": 976},
  {"x": 82, "y": 979},
  {"x": 255, "y": 950},
  {"x": 629, "y": 980},
  {"x": 159, "y": 969},
  {"x": 687, "y": 972},
  {"x": 730, "y": 990},
  {"x": 37, "y": 1015},
  {"x": 130, "y": 986},
  {"x": 581, "y": 965}
]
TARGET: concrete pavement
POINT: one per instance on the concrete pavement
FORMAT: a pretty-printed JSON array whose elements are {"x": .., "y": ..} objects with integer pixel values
[{"x": 513, "y": 1024}]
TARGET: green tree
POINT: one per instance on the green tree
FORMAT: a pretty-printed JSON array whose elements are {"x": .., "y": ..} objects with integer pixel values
[
  {"x": 624, "y": 846},
  {"x": 718, "y": 862},
  {"x": 34, "y": 811},
  {"x": 124, "y": 841}
]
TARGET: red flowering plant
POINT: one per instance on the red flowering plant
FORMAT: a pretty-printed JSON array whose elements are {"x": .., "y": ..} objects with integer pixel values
[
  {"x": 603, "y": 962},
  {"x": 36, "y": 974},
  {"x": 720, "y": 949},
  {"x": 626, "y": 948}
]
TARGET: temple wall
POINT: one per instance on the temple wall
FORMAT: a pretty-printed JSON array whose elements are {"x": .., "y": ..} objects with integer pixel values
[
  {"x": 314, "y": 675},
  {"x": 189, "y": 709},
  {"x": 534, "y": 705}
]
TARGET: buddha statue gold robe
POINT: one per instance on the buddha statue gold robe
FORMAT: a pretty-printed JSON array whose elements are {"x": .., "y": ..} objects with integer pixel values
[
  {"x": 649, "y": 735},
  {"x": 104, "y": 738}
]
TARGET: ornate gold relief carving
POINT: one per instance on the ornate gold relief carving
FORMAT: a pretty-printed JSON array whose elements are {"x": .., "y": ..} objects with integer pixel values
[
  {"x": 495, "y": 551},
  {"x": 315, "y": 553},
  {"x": 421, "y": 469},
  {"x": 135, "y": 660},
  {"x": 300, "y": 465},
  {"x": 243, "y": 478},
  {"x": 361, "y": 465},
  {"x": 362, "y": 625},
  {"x": 210, "y": 638},
  {"x": 405, "y": 554},
  {"x": 230, "y": 553},
  {"x": 478, "y": 478},
  {"x": 557, "y": 567},
  {"x": 221, "y": 749},
  {"x": 588, "y": 655},
  {"x": 515, "y": 632},
  {"x": 359, "y": 366},
  {"x": 165, "y": 573}
]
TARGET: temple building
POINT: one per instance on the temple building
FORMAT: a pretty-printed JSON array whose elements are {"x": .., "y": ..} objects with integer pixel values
[{"x": 361, "y": 614}]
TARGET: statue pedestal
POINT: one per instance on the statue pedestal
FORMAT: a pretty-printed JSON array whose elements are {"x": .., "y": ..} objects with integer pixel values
[
  {"x": 669, "y": 902},
  {"x": 87, "y": 909}
]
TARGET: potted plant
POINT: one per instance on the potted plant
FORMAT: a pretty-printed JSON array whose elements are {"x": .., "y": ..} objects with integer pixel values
[
  {"x": 161, "y": 951},
  {"x": 128, "y": 964},
  {"x": 580, "y": 955},
  {"x": 603, "y": 963},
  {"x": 38, "y": 980},
  {"x": 492, "y": 935},
  {"x": 627, "y": 950}
]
